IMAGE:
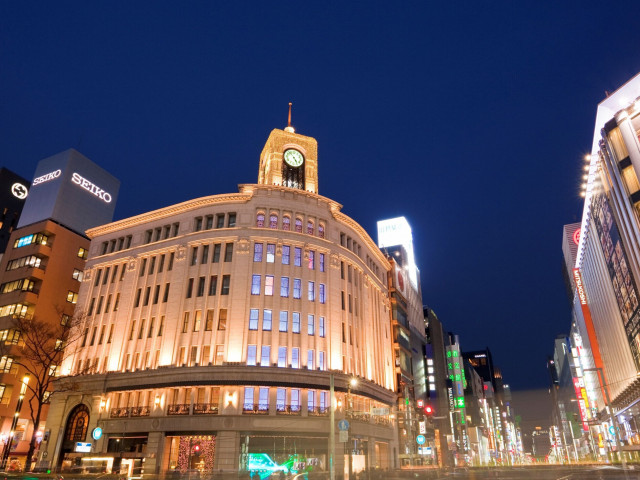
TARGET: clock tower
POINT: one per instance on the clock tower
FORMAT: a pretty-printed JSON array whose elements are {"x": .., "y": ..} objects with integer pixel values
[{"x": 290, "y": 160}]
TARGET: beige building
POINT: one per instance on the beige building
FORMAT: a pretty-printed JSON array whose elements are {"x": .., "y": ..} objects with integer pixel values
[{"x": 213, "y": 329}]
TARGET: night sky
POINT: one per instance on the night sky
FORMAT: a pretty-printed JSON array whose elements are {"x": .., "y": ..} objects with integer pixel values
[{"x": 469, "y": 118}]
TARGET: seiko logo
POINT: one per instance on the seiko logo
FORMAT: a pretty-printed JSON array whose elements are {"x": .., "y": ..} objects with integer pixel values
[
  {"x": 46, "y": 177},
  {"x": 90, "y": 187}
]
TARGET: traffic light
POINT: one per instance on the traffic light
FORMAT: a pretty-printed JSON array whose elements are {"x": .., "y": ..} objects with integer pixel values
[{"x": 428, "y": 409}]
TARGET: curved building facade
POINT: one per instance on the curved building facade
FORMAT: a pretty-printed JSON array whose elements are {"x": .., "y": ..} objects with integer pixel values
[{"x": 213, "y": 329}]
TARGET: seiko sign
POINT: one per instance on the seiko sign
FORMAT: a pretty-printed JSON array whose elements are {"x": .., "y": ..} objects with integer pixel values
[
  {"x": 46, "y": 177},
  {"x": 91, "y": 187}
]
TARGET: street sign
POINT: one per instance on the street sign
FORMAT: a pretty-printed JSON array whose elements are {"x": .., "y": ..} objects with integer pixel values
[
  {"x": 420, "y": 439},
  {"x": 83, "y": 447},
  {"x": 344, "y": 436},
  {"x": 343, "y": 425},
  {"x": 96, "y": 433},
  {"x": 423, "y": 427}
]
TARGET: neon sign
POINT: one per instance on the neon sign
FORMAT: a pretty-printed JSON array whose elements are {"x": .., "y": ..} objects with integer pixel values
[
  {"x": 576, "y": 237},
  {"x": 46, "y": 177},
  {"x": 91, "y": 187},
  {"x": 19, "y": 191}
]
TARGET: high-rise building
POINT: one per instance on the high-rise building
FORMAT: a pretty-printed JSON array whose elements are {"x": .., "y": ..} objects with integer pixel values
[
  {"x": 606, "y": 273},
  {"x": 40, "y": 277},
  {"x": 216, "y": 329},
  {"x": 13, "y": 193}
]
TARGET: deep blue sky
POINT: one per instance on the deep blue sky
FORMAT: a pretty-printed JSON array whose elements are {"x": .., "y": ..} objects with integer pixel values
[{"x": 469, "y": 118}]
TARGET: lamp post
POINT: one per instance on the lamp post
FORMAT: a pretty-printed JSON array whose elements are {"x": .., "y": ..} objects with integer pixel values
[
  {"x": 14, "y": 423},
  {"x": 349, "y": 413},
  {"x": 332, "y": 429}
]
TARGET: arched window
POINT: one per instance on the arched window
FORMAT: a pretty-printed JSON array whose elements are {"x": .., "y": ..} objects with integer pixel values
[
  {"x": 321, "y": 231},
  {"x": 260, "y": 220},
  {"x": 286, "y": 223},
  {"x": 310, "y": 228},
  {"x": 77, "y": 424},
  {"x": 273, "y": 221},
  {"x": 298, "y": 225}
]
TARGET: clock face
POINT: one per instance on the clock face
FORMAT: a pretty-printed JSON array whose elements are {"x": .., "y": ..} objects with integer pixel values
[{"x": 293, "y": 158}]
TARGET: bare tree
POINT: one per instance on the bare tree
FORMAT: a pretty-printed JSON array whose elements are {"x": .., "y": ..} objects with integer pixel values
[{"x": 38, "y": 345}]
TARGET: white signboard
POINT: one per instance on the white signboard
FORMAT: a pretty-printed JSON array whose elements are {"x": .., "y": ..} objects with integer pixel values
[
  {"x": 83, "y": 447},
  {"x": 344, "y": 436}
]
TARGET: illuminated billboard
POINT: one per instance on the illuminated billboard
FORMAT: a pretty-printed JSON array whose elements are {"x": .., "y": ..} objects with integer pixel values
[{"x": 394, "y": 232}]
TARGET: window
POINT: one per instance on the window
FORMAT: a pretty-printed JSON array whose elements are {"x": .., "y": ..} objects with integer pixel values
[
  {"x": 312, "y": 291},
  {"x": 142, "y": 267},
  {"x": 91, "y": 303},
  {"x": 205, "y": 254},
  {"x": 141, "y": 331},
  {"x": 310, "y": 324},
  {"x": 147, "y": 292},
  {"x": 257, "y": 252},
  {"x": 152, "y": 266},
  {"x": 312, "y": 260},
  {"x": 297, "y": 256},
  {"x": 251, "y": 355},
  {"x": 190, "y": 288},
  {"x": 5, "y": 364},
  {"x": 213, "y": 284},
  {"x": 253, "y": 319},
  {"x": 198, "y": 224},
  {"x": 219, "y": 355},
  {"x": 284, "y": 320},
  {"x": 295, "y": 357},
  {"x": 197, "y": 320},
  {"x": 201, "y": 284},
  {"x": 161, "y": 327},
  {"x": 284, "y": 286},
  {"x": 248, "y": 398},
  {"x": 260, "y": 220},
  {"x": 282, "y": 357},
  {"x": 266, "y": 320},
  {"x": 298, "y": 225},
  {"x": 286, "y": 223},
  {"x": 29, "y": 261},
  {"x": 231, "y": 220},
  {"x": 110, "y": 334},
  {"x": 263, "y": 399},
  {"x": 268, "y": 285},
  {"x": 132, "y": 331},
  {"x": 40, "y": 239},
  {"x": 208, "y": 223},
  {"x": 310, "y": 228},
  {"x": 273, "y": 221},
  {"x": 222, "y": 319},
  {"x": 255, "y": 285},
  {"x": 165, "y": 295},
  {"x": 271, "y": 252},
  {"x": 295, "y": 322},
  {"x": 281, "y": 399},
  {"x": 185, "y": 322},
  {"x": 220, "y": 220},
  {"x": 226, "y": 281},
  {"x": 97, "y": 280},
  {"x": 194, "y": 255},
  {"x": 208, "y": 324},
  {"x": 115, "y": 273},
  {"x": 321, "y": 364},
  {"x": 72, "y": 297},
  {"x": 156, "y": 294},
  {"x": 321, "y": 327},
  {"x": 216, "y": 253},
  {"x": 151, "y": 324},
  {"x": 310, "y": 361},
  {"x": 174, "y": 229},
  {"x": 77, "y": 274},
  {"x": 137, "y": 302},
  {"x": 321, "y": 262},
  {"x": 297, "y": 288},
  {"x": 265, "y": 357},
  {"x": 285, "y": 254},
  {"x": 82, "y": 253},
  {"x": 321, "y": 231},
  {"x": 171, "y": 258},
  {"x": 321, "y": 293},
  {"x": 106, "y": 307},
  {"x": 228, "y": 252}
]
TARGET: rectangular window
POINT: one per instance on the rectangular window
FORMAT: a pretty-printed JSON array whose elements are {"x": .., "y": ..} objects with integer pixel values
[
  {"x": 219, "y": 355},
  {"x": 284, "y": 286},
  {"x": 253, "y": 319},
  {"x": 194, "y": 255},
  {"x": 266, "y": 320},
  {"x": 102, "y": 331},
  {"x": 151, "y": 325},
  {"x": 97, "y": 280},
  {"x": 295, "y": 357},
  {"x": 255, "y": 285},
  {"x": 265, "y": 358},
  {"x": 208, "y": 222},
  {"x": 312, "y": 260},
  {"x": 295, "y": 322},
  {"x": 216, "y": 253},
  {"x": 321, "y": 262},
  {"x": 132, "y": 331},
  {"x": 190, "y": 288},
  {"x": 147, "y": 294},
  {"x": 72, "y": 297},
  {"x": 77, "y": 274},
  {"x": 161, "y": 264},
  {"x": 110, "y": 334},
  {"x": 251, "y": 355},
  {"x": 198, "y": 225},
  {"x": 321, "y": 293},
  {"x": 100, "y": 300},
  {"x": 310, "y": 361},
  {"x": 108, "y": 304},
  {"x": 248, "y": 398},
  {"x": 311, "y": 325},
  {"x": 268, "y": 285},
  {"x": 282, "y": 357},
  {"x": 152, "y": 265},
  {"x": 208, "y": 325},
  {"x": 231, "y": 220},
  {"x": 222, "y": 319},
  {"x": 271, "y": 252},
  {"x": 297, "y": 256},
  {"x": 197, "y": 320},
  {"x": 141, "y": 331},
  {"x": 143, "y": 267},
  {"x": 284, "y": 321},
  {"x": 311, "y": 400},
  {"x": 161, "y": 327},
  {"x": 285, "y": 254},
  {"x": 201, "y": 284},
  {"x": 312, "y": 291},
  {"x": 263, "y": 399},
  {"x": 91, "y": 304},
  {"x": 228, "y": 252},
  {"x": 171, "y": 258},
  {"x": 321, "y": 362},
  {"x": 257, "y": 252},
  {"x": 226, "y": 282},
  {"x": 156, "y": 294},
  {"x": 220, "y": 220},
  {"x": 185, "y": 322},
  {"x": 213, "y": 284},
  {"x": 281, "y": 399},
  {"x": 165, "y": 295},
  {"x": 114, "y": 274},
  {"x": 297, "y": 288},
  {"x": 205, "y": 254}
]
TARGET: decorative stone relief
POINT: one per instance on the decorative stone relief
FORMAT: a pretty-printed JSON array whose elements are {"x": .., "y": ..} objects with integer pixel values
[
  {"x": 243, "y": 246},
  {"x": 335, "y": 260},
  {"x": 181, "y": 253}
]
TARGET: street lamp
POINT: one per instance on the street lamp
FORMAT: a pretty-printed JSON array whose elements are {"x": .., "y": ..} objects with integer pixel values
[{"x": 14, "y": 423}]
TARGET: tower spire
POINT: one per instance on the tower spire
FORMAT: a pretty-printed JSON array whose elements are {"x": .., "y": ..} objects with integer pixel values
[{"x": 289, "y": 128}]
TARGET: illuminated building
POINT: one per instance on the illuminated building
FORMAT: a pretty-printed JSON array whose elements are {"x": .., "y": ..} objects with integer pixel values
[
  {"x": 41, "y": 273},
  {"x": 606, "y": 305},
  {"x": 214, "y": 335},
  {"x": 13, "y": 193}
]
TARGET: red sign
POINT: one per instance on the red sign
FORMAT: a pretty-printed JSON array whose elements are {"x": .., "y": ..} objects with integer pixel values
[{"x": 576, "y": 237}]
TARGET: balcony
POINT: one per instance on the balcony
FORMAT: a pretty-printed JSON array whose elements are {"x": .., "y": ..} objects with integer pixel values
[
  {"x": 179, "y": 409},
  {"x": 288, "y": 409},
  {"x": 140, "y": 411},
  {"x": 358, "y": 416},
  {"x": 120, "y": 412},
  {"x": 205, "y": 408},
  {"x": 319, "y": 411},
  {"x": 255, "y": 409}
]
